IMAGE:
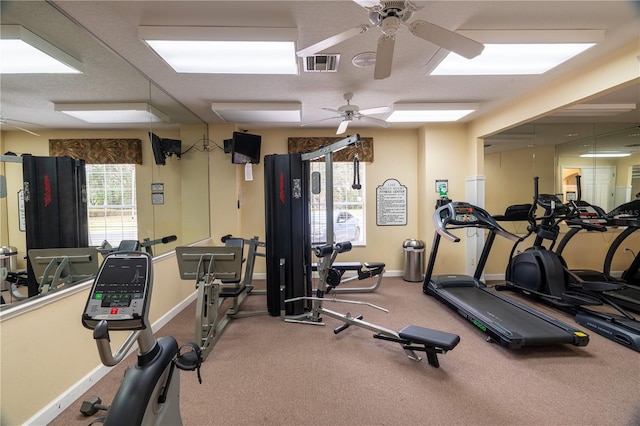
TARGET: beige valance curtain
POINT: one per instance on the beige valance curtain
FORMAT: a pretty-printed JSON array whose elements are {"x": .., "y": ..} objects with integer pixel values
[
  {"x": 310, "y": 144},
  {"x": 98, "y": 151}
]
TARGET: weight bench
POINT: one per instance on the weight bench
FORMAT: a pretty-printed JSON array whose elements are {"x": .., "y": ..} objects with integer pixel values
[
  {"x": 338, "y": 269},
  {"x": 432, "y": 342},
  {"x": 411, "y": 338}
]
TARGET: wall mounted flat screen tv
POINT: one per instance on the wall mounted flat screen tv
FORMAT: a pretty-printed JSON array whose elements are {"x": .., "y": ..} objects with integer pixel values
[
  {"x": 163, "y": 148},
  {"x": 245, "y": 148}
]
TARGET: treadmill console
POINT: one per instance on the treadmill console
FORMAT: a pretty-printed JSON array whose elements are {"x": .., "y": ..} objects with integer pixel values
[
  {"x": 588, "y": 213},
  {"x": 121, "y": 292},
  {"x": 461, "y": 214}
]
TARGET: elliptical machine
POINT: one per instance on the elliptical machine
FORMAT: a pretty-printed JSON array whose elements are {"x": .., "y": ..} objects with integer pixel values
[
  {"x": 119, "y": 301},
  {"x": 543, "y": 274}
]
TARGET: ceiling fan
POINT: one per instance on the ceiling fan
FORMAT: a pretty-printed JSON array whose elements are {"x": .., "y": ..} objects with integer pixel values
[
  {"x": 9, "y": 122},
  {"x": 389, "y": 15},
  {"x": 349, "y": 113}
]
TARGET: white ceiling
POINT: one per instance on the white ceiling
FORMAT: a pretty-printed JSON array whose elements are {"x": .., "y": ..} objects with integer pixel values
[{"x": 113, "y": 29}]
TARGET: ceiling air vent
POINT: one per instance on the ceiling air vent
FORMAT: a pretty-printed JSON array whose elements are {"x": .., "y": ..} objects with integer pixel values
[{"x": 321, "y": 63}]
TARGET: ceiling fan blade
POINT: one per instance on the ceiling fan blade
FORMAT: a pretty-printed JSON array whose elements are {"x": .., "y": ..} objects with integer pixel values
[
  {"x": 367, "y": 3},
  {"x": 447, "y": 39},
  {"x": 343, "y": 127},
  {"x": 375, "y": 110},
  {"x": 337, "y": 111},
  {"x": 18, "y": 127},
  {"x": 375, "y": 121},
  {"x": 332, "y": 41},
  {"x": 25, "y": 130},
  {"x": 384, "y": 57},
  {"x": 319, "y": 121}
]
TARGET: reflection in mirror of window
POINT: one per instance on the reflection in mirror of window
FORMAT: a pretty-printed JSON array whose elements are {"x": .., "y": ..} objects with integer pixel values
[{"x": 111, "y": 194}]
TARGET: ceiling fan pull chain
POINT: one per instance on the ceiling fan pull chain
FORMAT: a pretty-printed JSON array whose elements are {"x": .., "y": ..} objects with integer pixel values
[{"x": 356, "y": 172}]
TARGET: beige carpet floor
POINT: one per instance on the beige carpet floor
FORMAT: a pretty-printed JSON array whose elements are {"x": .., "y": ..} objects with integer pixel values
[{"x": 264, "y": 371}]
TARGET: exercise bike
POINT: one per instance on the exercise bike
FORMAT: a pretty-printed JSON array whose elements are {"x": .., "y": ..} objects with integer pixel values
[
  {"x": 412, "y": 338},
  {"x": 119, "y": 301},
  {"x": 542, "y": 274}
]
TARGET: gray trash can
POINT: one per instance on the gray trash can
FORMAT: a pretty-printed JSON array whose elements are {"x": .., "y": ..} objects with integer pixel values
[
  {"x": 413, "y": 260},
  {"x": 8, "y": 259}
]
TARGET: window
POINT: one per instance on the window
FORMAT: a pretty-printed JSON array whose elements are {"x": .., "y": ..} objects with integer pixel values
[
  {"x": 348, "y": 205},
  {"x": 111, "y": 199}
]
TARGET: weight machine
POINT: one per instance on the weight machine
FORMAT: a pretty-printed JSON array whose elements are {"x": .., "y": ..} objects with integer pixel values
[
  {"x": 288, "y": 182},
  {"x": 218, "y": 275},
  {"x": 412, "y": 338}
]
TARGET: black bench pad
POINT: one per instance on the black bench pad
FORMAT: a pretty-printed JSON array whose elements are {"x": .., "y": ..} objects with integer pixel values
[
  {"x": 232, "y": 291},
  {"x": 429, "y": 337},
  {"x": 351, "y": 266}
]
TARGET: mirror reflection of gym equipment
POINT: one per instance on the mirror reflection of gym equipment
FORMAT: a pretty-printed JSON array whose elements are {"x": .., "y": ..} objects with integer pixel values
[{"x": 59, "y": 268}]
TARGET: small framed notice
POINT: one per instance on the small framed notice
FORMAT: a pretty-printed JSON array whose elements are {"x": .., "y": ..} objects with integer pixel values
[
  {"x": 157, "y": 198},
  {"x": 391, "y": 204}
]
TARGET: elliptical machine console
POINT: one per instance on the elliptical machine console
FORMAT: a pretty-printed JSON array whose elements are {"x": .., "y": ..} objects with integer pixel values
[{"x": 119, "y": 301}]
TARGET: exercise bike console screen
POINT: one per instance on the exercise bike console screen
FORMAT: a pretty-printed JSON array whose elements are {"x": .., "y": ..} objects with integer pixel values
[{"x": 120, "y": 293}]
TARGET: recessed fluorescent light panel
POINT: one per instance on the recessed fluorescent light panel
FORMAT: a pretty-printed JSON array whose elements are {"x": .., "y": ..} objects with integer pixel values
[
  {"x": 258, "y": 112},
  {"x": 429, "y": 113},
  {"x": 23, "y": 52},
  {"x": 519, "y": 52},
  {"x": 224, "y": 50},
  {"x": 605, "y": 154},
  {"x": 113, "y": 113},
  {"x": 587, "y": 110}
]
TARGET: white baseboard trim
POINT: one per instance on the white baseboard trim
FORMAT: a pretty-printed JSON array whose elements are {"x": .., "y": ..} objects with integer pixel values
[{"x": 64, "y": 400}]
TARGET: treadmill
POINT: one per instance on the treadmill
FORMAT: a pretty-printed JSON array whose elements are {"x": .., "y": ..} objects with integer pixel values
[
  {"x": 628, "y": 297},
  {"x": 505, "y": 321}
]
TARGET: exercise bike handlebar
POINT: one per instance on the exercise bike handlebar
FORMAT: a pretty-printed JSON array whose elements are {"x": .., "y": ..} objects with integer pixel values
[
  {"x": 101, "y": 336},
  {"x": 164, "y": 240}
]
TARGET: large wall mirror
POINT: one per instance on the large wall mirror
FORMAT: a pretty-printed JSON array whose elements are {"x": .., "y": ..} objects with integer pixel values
[
  {"x": 170, "y": 199},
  {"x": 598, "y": 140}
]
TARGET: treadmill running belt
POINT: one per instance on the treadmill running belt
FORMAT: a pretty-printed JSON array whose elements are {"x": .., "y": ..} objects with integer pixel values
[{"x": 516, "y": 326}]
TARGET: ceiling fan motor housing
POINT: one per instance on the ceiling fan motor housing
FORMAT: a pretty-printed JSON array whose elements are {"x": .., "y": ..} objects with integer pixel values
[{"x": 396, "y": 10}]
